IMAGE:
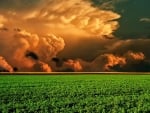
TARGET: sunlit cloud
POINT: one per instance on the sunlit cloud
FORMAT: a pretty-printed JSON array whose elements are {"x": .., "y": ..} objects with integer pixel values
[
  {"x": 2, "y": 20},
  {"x": 60, "y": 35},
  {"x": 19, "y": 42},
  {"x": 145, "y": 20},
  {"x": 41, "y": 67},
  {"x": 4, "y": 66}
]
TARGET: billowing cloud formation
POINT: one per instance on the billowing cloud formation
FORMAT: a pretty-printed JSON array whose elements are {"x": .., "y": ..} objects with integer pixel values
[
  {"x": 73, "y": 64},
  {"x": 135, "y": 56},
  {"x": 135, "y": 45},
  {"x": 111, "y": 62},
  {"x": 75, "y": 18},
  {"x": 103, "y": 63},
  {"x": 69, "y": 19},
  {"x": 41, "y": 67},
  {"x": 19, "y": 42},
  {"x": 4, "y": 66},
  {"x": 107, "y": 62},
  {"x": 66, "y": 65},
  {"x": 60, "y": 35}
]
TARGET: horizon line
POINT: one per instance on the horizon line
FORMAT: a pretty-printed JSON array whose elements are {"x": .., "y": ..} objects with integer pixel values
[{"x": 71, "y": 73}]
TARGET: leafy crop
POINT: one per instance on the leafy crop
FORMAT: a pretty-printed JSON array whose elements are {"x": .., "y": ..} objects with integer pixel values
[{"x": 75, "y": 94}]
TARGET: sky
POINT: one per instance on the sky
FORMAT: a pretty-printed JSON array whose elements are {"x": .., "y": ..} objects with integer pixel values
[{"x": 74, "y": 36}]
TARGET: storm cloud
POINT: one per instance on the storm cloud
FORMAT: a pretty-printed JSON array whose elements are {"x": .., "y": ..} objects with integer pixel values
[
  {"x": 19, "y": 45},
  {"x": 60, "y": 35}
]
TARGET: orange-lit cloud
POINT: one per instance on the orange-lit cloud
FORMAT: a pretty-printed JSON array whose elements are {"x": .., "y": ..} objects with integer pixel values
[
  {"x": 74, "y": 65},
  {"x": 74, "y": 17},
  {"x": 104, "y": 63},
  {"x": 65, "y": 18},
  {"x": 2, "y": 21},
  {"x": 111, "y": 62},
  {"x": 19, "y": 42},
  {"x": 135, "y": 56},
  {"x": 69, "y": 29},
  {"x": 4, "y": 66},
  {"x": 41, "y": 67}
]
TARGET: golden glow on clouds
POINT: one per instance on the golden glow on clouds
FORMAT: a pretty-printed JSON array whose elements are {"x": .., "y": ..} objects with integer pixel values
[
  {"x": 74, "y": 65},
  {"x": 52, "y": 27},
  {"x": 4, "y": 65},
  {"x": 19, "y": 42},
  {"x": 107, "y": 62},
  {"x": 74, "y": 16},
  {"x": 2, "y": 20},
  {"x": 65, "y": 18}
]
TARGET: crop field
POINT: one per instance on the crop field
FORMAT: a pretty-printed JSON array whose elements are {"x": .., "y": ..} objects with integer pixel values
[{"x": 75, "y": 94}]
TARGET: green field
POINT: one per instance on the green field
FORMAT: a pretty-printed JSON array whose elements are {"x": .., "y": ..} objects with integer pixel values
[{"x": 75, "y": 94}]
